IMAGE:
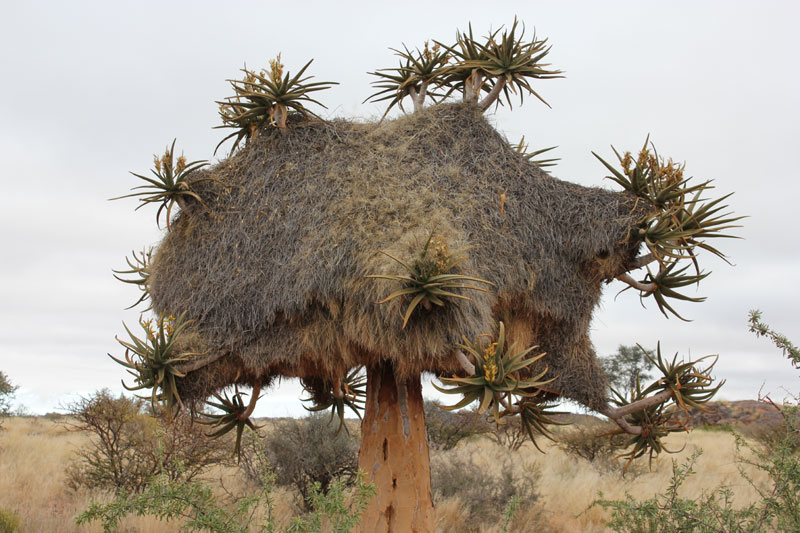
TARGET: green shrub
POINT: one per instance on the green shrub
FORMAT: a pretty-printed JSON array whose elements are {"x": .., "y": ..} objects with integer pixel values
[
  {"x": 9, "y": 521},
  {"x": 303, "y": 453},
  {"x": 484, "y": 489},
  {"x": 128, "y": 447},
  {"x": 195, "y": 503}
]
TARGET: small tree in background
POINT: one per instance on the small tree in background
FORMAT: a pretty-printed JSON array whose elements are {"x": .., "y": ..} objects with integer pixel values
[
  {"x": 128, "y": 446},
  {"x": 6, "y": 395},
  {"x": 631, "y": 364}
]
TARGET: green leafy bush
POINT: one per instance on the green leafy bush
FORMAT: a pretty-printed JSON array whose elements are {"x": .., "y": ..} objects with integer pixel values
[
  {"x": 129, "y": 447},
  {"x": 307, "y": 453},
  {"x": 195, "y": 503}
]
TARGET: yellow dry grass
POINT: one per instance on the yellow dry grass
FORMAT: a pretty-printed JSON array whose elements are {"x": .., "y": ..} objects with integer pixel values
[{"x": 34, "y": 453}]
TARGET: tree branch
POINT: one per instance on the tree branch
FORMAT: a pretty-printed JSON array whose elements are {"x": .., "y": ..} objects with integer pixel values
[
  {"x": 493, "y": 94},
  {"x": 618, "y": 414},
  {"x": 420, "y": 99},
  {"x": 199, "y": 363},
  {"x": 472, "y": 87},
  {"x": 338, "y": 393},
  {"x": 509, "y": 407},
  {"x": 468, "y": 367},
  {"x": 644, "y": 287},
  {"x": 639, "y": 405},
  {"x": 252, "y": 405},
  {"x": 643, "y": 260}
]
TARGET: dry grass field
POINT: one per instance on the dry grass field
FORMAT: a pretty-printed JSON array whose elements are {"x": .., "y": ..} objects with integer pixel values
[{"x": 34, "y": 453}]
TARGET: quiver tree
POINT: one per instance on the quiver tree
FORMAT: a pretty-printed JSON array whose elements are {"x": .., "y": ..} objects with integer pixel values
[{"x": 427, "y": 243}]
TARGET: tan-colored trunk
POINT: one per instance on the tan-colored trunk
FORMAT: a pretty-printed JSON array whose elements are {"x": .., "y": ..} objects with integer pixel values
[{"x": 394, "y": 454}]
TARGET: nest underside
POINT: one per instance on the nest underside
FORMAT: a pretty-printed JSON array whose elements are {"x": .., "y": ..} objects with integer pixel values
[{"x": 272, "y": 267}]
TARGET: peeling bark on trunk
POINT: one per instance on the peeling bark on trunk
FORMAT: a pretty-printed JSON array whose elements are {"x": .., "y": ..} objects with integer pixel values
[{"x": 394, "y": 454}]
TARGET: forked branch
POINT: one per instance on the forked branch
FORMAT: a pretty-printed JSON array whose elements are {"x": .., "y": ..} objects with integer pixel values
[
  {"x": 644, "y": 287},
  {"x": 618, "y": 414}
]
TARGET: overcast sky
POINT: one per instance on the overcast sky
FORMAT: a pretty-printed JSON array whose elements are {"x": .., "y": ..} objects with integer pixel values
[{"x": 90, "y": 90}]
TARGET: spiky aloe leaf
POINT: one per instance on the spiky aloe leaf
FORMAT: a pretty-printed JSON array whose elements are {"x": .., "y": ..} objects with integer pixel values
[
  {"x": 690, "y": 385},
  {"x": 353, "y": 396},
  {"x": 170, "y": 182},
  {"x": 153, "y": 360},
  {"x": 430, "y": 279},
  {"x": 679, "y": 223},
  {"x": 417, "y": 71},
  {"x": 230, "y": 417},
  {"x": 501, "y": 379},
  {"x": 266, "y": 98},
  {"x": 140, "y": 275},
  {"x": 515, "y": 62}
]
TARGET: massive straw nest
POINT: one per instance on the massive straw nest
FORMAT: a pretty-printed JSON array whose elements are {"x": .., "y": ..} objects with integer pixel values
[{"x": 271, "y": 269}]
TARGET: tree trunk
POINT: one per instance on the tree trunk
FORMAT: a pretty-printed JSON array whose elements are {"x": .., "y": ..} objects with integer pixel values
[{"x": 394, "y": 455}]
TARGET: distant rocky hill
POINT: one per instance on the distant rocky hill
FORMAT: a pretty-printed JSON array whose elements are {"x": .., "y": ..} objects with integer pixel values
[
  {"x": 749, "y": 413},
  {"x": 740, "y": 413}
]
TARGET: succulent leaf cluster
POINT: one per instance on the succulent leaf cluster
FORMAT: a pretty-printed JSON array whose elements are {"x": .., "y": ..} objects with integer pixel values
[
  {"x": 138, "y": 270},
  {"x": 170, "y": 182},
  {"x": 523, "y": 148},
  {"x": 265, "y": 98},
  {"x": 503, "y": 384},
  {"x": 418, "y": 69},
  {"x": 352, "y": 396},
  {"x": 690, "y": 386},
  {"x": 470, "y": 66},
  {"x": 431, "y": 278},
  {"x": 681, "y": 218},
  {"x": 230, "y": 416},
  {"x": 154, "y": 361}
]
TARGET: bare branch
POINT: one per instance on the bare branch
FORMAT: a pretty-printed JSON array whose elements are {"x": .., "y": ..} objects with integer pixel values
[
  {"x": 643, "y": 260},
  {"x": 412, "y": 92},
  {"x": 639, "y": 405},
  {"x": 199, "y": 363},
  {"x": 511, "y": 408},
  {"x": 493, "y": 95},
  {"x": 644, "y": 287},
  {"x": 338, "y": 393},
  {"x": 468, "y": 367},
  {"x": 252, "y": 405},
  {"x": 627, "y": 428},
  {"x": 618, "y": 414},
  {"x": 420, "y": 99},
  {"x": 472, "y": 87},
  {"x": 183, "y": 202}
]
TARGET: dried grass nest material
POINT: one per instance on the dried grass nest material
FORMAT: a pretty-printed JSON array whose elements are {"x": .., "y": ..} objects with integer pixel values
[{"x": 274, "y": 279}]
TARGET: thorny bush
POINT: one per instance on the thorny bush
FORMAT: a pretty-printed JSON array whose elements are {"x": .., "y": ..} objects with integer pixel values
[{"x": 128, "y": 446}]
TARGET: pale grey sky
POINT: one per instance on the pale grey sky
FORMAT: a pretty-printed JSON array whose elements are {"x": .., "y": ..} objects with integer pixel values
[{"x": 92, "y": 89}]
